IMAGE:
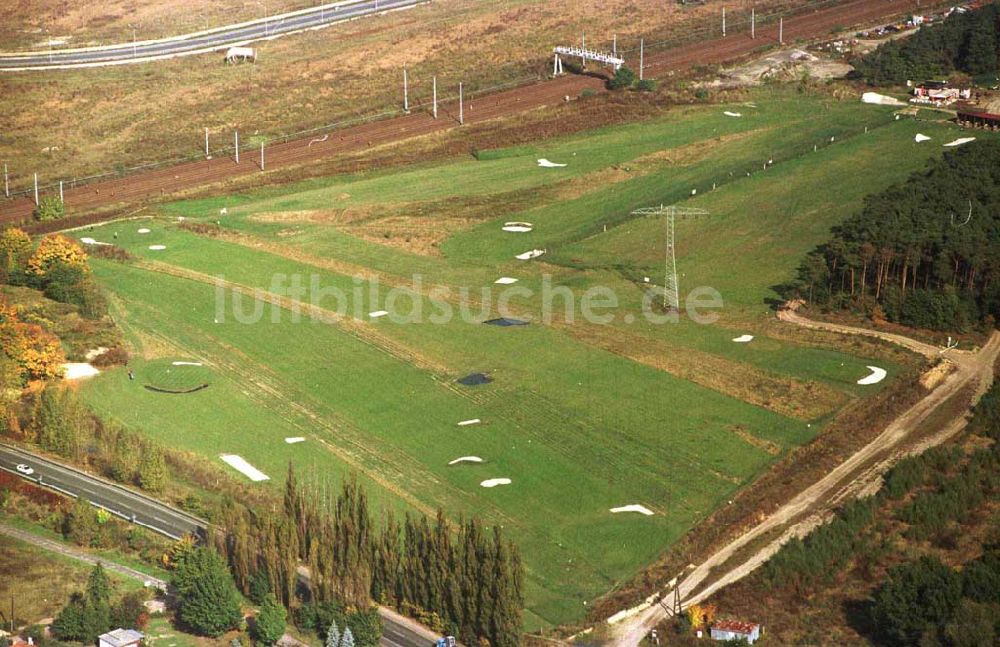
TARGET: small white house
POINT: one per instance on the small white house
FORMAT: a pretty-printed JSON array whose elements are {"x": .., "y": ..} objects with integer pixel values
[
  {"x": 735, "y": 629},
  {"x": 120, "y": 638}
]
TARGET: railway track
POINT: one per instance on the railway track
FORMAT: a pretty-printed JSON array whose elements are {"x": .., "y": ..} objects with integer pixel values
[{"x": 158, "y": 183}]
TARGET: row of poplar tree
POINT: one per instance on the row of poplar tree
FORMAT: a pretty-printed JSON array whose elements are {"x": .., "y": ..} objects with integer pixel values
[{"x": 463, "y": 579}]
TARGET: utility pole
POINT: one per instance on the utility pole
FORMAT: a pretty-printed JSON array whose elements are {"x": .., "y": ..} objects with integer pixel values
[
  {"x": 461, "y": 105},
  {"x": 262, "y": 156},
  {"x": 781, "y": 30},
  {"x": 206, "y": 143},
  {"x": 36, "y": 189},
  {"x": 614, "y": 45},
  {"x": 671, "y": 288},
  {"x": 236, "y": 134},
  {"x": 6, "y": 182},
  {"x": 61, "y": 192},
  {"x": 435, "y": 97},
  {"x": 753, "y": 22},
  {"x": 406, "y": 93},
  {"x": 723, "y": 22},
  {"x": 642, "y": 56}
]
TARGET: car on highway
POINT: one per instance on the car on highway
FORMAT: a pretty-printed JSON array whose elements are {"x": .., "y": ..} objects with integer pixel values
[{"x": 24, "y": 469}]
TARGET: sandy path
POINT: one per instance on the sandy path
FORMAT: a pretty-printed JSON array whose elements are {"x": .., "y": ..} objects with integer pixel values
[{"x": 852, "y": 477}]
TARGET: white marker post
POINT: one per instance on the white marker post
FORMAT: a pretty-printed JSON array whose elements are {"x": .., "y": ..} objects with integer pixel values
[
  {"x": 461, "y": 105},
  {"x": 36, "y": 189},
  {"x": 406, "y": 93},
  {"x": 61, "y": 192},
  {"x": 753, "y": 23},
  {"x": 206, "y": 143},
  {"x": 614, "y": 45},
  {"x": 262, "y": 156},
  {"x": 435, "y": 97},
  {"x": 723, "y": 22},
  {"x": 6, "y": 182},
  {"x": 236, "y": 145},
  {"x": 781, "y": 30},
  {"x": 642, "y": 56}
]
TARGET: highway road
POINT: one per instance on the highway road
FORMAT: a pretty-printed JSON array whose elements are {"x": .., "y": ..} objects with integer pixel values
[
  {"x": 114, "y": 498},
  {"x": 398, "y": 631},
  {"x": 200, "y": 42}
]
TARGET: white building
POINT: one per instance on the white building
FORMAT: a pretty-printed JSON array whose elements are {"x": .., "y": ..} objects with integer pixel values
[{"x": 120, "y": 638}]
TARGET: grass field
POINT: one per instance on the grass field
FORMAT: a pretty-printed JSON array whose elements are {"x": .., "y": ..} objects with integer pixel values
[
  {"x": 41, "y": 582},
  {"x": 582, "y": 416}
]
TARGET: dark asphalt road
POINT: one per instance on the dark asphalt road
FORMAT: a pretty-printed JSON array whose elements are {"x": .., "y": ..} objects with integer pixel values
[
  {"x": 114, "y": 498},
  {"x": 216, "y": 40},
  {"x": 397, "y": 634}
]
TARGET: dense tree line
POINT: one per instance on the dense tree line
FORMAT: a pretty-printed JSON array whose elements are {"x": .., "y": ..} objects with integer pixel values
[
  {"x": 926, "y": 602},
  {"x": 965, "y": 42},
  {"x": 925, "y": 253},
  {"x": 60, "y": 423},
  {"x": 465, "y": 580}
]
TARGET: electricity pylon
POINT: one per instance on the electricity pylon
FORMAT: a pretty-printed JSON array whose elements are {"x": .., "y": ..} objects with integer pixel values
[{"x": 671, "y": 287}]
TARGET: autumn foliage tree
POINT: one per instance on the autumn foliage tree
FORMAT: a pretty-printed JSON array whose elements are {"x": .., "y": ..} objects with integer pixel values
[
  {"x": 36, "y": 352},
  {"x": 15, "y": 250},
  {"x": 58, "y": 266}
]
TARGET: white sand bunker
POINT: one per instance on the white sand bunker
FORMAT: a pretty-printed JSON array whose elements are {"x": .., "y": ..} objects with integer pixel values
[
  {"x": 495, "y": 482},
  {"x": 535, "y": 253},
  {"x": 295, "y": 439},
  {"x": 920, "y": 137},
  {"x": 466, "y": 423},
  {"x": 91, "y": 241},
  {"x": 157, "y": 248},
  {"x": 544, "y": 163},
  {"x": 239, "y": 464},
  {"x": 880, "y": 99},
  {"x": 743, "y": 339},
  {"x": 468, "y": 459},
  {"x": 505, "y": 280},
  {"x": 78, "y": 370},
  {"x": 518, "y": 227},
  {"x": 960, "y": 141},
  {"x": 635, "y": 507},
  {"x": 144, "y": 230},
  {"x": 732, "y": 114},
  {"x": 186, "y": 363},
  {"x": 378, "y": 313},
  {"x": 877, "y": 375}
]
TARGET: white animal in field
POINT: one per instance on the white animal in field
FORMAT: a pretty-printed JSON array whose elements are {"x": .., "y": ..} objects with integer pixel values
[{"x": 241, "y": 54}]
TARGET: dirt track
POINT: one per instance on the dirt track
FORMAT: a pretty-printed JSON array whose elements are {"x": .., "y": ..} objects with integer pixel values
[
  {"x": 855, "y": 475},
  {"x": 157, "y": 183}
]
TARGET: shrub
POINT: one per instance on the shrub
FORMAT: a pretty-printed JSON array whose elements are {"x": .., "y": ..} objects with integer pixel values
[
  {"x": 49, "y": 208},
  {"x": 623, "y": 78},
  {"x": 646, "y": 85},
  {"x": 269, "y": 625},
  {"x": 116, "y": 356}
]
